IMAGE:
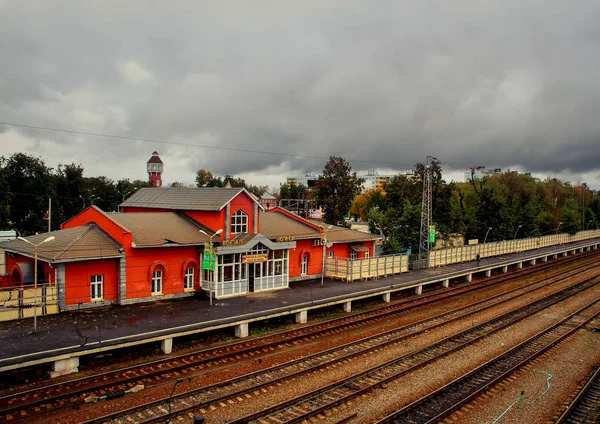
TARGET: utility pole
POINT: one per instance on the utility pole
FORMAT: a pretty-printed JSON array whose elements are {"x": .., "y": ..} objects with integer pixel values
[{"x": 424, "y": 243}]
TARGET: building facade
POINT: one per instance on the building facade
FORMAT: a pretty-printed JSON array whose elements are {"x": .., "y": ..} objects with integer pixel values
[{"x": 159, "y": 247}]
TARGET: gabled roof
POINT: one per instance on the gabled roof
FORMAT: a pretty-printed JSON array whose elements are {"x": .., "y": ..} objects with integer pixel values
[
  {"x": 337, "y": 234},
  {"x": 267, "y": 196},
  {"x": 184, "y": 198},
  {"x": 78, "y": 243},
  {"x": 277, "y": 224},
  {"x": 154, "y": 229}
]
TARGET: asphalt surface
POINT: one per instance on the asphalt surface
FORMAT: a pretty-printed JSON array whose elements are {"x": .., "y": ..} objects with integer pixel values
[{"x": 87, "y": 329}]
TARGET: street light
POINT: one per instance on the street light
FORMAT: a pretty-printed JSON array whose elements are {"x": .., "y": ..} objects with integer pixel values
[
  {"x": 486, "y": 234},
  {"x": 557, "y": 228},
  {"x": 514, "y": 239},
  {"x": 210, "y": 286},
  {"x": 324, "y": 247},
  {"x": 588, "y": 224},
  {"x": 35, "y": 252},
  {"x": 517, "y": 232}
]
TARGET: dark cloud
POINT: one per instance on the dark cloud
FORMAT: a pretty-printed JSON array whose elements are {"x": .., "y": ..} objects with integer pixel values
[{"x": 506, "y": 84}]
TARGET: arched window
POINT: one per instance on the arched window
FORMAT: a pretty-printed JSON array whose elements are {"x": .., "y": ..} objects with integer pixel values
[
  {"x": 157, "y": 280},
  {"x": 304, "y": 269},
  {"x": 188, "y": 278},
  {"x": 239, "y": 222}
]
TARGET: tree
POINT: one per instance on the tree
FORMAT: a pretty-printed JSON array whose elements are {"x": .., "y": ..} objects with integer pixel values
[
  {"x": 203, "y": 177},
  {"x": 176, "y": 184},
  {"x": 336, "y": 188},
  {"x": 69, "y": 182},
  {"x": 31, "y": 183}
]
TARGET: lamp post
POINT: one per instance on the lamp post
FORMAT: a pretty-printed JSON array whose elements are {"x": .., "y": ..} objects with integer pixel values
[
  {"x": 210, "y": 286},
  {"x": 515, "y": 238},
  {"x": 517, "y": 232},
  {"x": 557, "y": 228},
  {"x": 35, "y": 253},
  {"x": 324, "y": 247},
  {"x": 122, "y": 197},
  {"x": 486, "y": 234},
  {"x": 588, "y": 224}
]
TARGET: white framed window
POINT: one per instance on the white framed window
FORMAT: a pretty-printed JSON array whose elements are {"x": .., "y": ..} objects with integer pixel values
[
  {"x": 367, "y": 254},
  {"x": 318, "y": 242},
  {"x": 239, "y": 222},
  {"x": 304, "y": 269},
  {"x": 157, "y": 278},
  {"x": 330, "y": 254},
  {"x": 353, "y": 255},
  {"x": 96, "y": 287},
  {"x": 188, "y": 280}
]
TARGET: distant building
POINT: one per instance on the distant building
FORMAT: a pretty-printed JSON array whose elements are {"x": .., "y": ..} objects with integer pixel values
[
  {"x": 373, "y": 180},
  {"x": 480, "y": 172},
  {"x": 268, "y": 201},
  {"x": 307, "y": 180},
  {"x": 154, "y": 166}
]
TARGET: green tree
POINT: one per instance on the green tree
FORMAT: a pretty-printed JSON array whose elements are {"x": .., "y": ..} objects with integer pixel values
[
  {"x": 336, "y": 188},
  {"x": 31, "y": 183},
  {"x": 203, "y": 177},
  {"x": 69, "y": 185}
]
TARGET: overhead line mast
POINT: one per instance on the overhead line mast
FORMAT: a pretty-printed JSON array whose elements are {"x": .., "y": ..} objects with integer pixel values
[{"x": 424, "y": 243}]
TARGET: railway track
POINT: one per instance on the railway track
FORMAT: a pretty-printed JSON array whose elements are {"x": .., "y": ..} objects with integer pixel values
[
  {"x": 311, "y": 404},
  {"x": 53, "y": 397},
  {"x": 236, "y": 390},
  {"x": 440, "y": 403},
  {"x": 585, "y": 408}
]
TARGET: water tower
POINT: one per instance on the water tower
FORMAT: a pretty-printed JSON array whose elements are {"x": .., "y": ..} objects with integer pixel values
[{"x": 155, "y": 168}]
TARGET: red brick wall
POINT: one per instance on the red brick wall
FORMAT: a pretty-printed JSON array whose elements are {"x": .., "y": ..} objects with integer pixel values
[
  {"x": 141, "y": 263},
  {"x": 77, "y": 280}
]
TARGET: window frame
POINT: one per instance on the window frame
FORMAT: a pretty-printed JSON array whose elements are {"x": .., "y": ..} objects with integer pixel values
[
  {"x": 239, "y": 222},
  {"x": 188, "y": 277},
  {"x": 157, "y": 282},
  {"x": 97, "y": 281},
  {"x": 304, "y": 265},
  {"x": 353, "y": 255}
]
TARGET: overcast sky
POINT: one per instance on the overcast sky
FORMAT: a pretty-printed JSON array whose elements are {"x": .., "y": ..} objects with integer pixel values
[{"x": 503, "y": 84}]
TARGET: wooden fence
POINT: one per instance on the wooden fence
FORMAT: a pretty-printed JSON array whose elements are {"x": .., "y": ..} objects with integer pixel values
[
  {"x": 454, "y": 255},
  {"x": 19, "y": 302},
  {"x": 362, "y": 269}
]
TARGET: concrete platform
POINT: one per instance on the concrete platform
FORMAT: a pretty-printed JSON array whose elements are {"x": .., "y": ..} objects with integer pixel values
[{"x": 71, "y": 335}]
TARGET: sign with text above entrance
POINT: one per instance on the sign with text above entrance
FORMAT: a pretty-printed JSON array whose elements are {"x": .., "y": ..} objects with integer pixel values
[
  {"x": 284, "y": 238},
  {"x": 257, "y": 257},
  {"x": 232, "y": 243}
]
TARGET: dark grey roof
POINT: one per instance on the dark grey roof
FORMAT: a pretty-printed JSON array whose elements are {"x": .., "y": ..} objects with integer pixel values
[{"x": 182, "y": 198}]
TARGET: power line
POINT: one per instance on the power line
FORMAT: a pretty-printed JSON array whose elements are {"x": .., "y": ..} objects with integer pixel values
[{"x": 175, "y": 143}]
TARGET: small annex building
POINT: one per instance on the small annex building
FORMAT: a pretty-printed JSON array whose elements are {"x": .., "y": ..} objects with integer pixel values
[{"x": 158, "y": 247}]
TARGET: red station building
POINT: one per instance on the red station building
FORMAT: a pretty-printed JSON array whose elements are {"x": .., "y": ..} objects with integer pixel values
[{"x": 156, "y": 247}]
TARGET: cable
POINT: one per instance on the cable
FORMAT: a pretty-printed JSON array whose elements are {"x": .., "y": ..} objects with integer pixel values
[{"x": 175, "y": 143}]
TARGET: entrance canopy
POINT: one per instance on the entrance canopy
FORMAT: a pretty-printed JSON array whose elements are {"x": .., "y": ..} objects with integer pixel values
[{"x": 359, "y": 248}]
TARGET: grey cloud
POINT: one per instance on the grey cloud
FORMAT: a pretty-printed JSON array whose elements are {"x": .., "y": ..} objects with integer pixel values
[{"x": 501, "y": 84}]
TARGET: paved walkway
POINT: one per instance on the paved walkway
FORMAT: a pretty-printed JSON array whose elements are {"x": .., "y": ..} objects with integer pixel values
[{"x": 68, "y": 331}]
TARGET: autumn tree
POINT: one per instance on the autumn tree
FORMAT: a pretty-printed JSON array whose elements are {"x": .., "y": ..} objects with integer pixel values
[
  {"x": 203, "y": 177},
  {"x": 336, "y": 188}
]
